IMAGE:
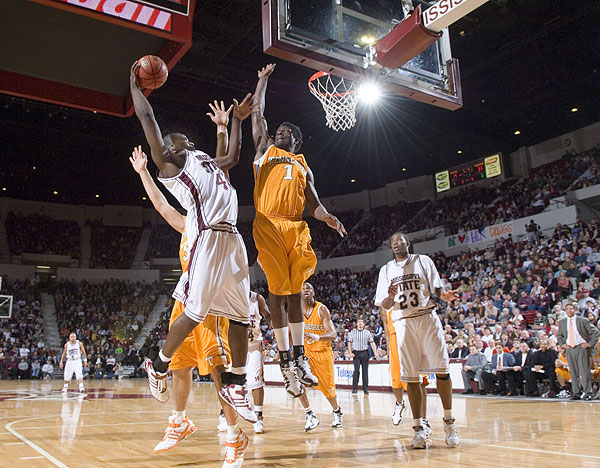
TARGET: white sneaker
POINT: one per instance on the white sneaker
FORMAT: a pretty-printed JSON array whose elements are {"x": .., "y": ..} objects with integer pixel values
[
  {"x": 290, "y": 379},
  {"x": 222, "y": 426},
  {"x": 398, "y": 415},
  {"x": 259, "y": 427},
  {"x": 422, "y": 437},
  {"x": 157, "y": 381},
  {"x": 305, "y": 375},
  {"x": 236, "y": 396},
  {"x": 452, "y": 439},
  {"x": 338, "y": 419},
  {"x": 311, "y": 421},
  {"x": 178, "y": 429},
  {"x": 81, "y": 390},
  {"x": 65, "y": 389}
]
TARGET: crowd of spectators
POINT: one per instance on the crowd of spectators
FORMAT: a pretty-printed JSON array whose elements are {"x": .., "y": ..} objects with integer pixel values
[
  {"x": 113, "y": 246},
  {"x": 164, "y": 242},
  {"x": 23, "y": 353},
  {"x": 106, "y": 317},
  {"x": 381, "y": 223},
  {"x": 40, "y": 234},
  {"x": 324, "y": 239}
]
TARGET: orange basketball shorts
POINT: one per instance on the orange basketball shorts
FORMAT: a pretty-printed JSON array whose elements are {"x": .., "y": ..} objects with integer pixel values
[
  {"x": 321, "y": 364},
  {"x": 395, "y": 370},
  {"x": 206, "y": 347},
  {"x": 284, "y": 253}
]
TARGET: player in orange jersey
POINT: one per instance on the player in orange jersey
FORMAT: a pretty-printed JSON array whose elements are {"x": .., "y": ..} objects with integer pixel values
[
  {"x": 206, "y": 347},
  {"x": 319, "y": 332},
  {"x": 283, "y": 185}
]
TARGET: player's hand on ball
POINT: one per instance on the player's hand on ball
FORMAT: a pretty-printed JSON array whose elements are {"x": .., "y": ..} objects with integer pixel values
[
  {"x": 266, "y": 70},
  {"x": 133, "y": 84},
  {"x": 241, "y": 110},
  {"x": 220, "y": 116},
  {"x": 138, "y": 160},
  {"x": 448, "y": 296},
  {"x": 336, "y": 224}
]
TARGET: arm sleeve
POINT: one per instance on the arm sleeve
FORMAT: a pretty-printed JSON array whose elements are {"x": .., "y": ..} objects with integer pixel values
[
  {"x": 382, "y": 286},
  {"x": 350, "y": 338}
]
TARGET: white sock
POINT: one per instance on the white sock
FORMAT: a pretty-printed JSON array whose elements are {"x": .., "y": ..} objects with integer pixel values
[
  {"x": 448, "y": 414},
  {"x": 297, "y": 330},
  {"x": 257, "y": 408},
  {"x": 308, "y": 410},
  {"x": 232, "y": 431},
  {"x": 238, "y": 370},
  {"x": 66, "y": 385},
  {"x": 419, "y": 422},
  {"x": 179, "y": 414},
  {"x": 80, "y": 384},
  {"x": 282, "y": 335},
  {"x": 162, "y": 357}
]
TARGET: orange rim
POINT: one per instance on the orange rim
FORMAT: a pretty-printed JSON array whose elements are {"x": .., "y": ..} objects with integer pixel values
[{"x": 321, "y": 74}]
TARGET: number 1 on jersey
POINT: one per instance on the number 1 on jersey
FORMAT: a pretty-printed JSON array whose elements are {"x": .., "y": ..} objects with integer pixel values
[{"x": 288, "y": 172}]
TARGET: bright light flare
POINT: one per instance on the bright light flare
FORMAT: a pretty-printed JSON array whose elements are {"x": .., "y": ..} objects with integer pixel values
[{"x": 369, "y": 93}]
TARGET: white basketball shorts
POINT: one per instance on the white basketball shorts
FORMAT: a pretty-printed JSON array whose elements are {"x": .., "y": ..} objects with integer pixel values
[
  {"x": 71, "y": 367},
  {"x": 421, "y": 347},
  {"x": 217, "y": 279},
  {"x": 255, "y": 366}
]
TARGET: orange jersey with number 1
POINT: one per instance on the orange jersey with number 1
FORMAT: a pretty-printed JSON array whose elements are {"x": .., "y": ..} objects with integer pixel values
[{"x": 280, "y": 180}]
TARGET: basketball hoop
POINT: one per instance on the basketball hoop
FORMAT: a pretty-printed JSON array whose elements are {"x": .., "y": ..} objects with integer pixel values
[{"x": 338, "y": 99}]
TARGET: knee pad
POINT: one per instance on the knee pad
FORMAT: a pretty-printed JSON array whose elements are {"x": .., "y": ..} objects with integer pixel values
[{"x": 442, "y": 377}]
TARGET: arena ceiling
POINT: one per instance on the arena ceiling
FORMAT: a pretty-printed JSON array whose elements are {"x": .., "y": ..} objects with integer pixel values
[{"x": 524, "y": 64}]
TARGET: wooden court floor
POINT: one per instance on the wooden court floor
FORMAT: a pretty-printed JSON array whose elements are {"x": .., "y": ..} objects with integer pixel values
[{"x": 117, "y": 425}]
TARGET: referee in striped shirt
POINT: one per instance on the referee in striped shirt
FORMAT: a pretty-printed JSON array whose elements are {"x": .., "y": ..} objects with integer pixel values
[{"x": 359, "y": 341}]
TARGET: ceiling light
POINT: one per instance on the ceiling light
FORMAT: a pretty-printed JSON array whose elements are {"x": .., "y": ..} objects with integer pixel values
[
  {"x": 369, "y": 93},
  {"x": 34, "y": 168},
  {"x": 176, "y": 270},
  {"x": 403, "y": 169},
  {"x": 517, "y": 132},
  {"x": 4, "y": 189},
  {"x": 97, "y": 196},
  {"x": 459, "y": 151},
  {"x": 143, "y": 198},
  {"x": 55, "y": 192},
  {"x": 574, "y": 109},
  {"x": 352, "y": 180},
  {"x": 42, "y": 267}
]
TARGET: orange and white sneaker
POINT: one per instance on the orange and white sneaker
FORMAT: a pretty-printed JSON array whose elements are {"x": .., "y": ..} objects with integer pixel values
[
  {"x": 234, "y": 455},
  {"x": 178, "y": 429}
]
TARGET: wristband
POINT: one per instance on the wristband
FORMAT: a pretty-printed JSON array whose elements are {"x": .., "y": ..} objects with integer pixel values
[{"x": 221, "y": 129}]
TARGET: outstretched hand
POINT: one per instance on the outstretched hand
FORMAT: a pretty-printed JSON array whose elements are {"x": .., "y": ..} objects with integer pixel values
[
  {"x": 336, "y": 224},
  {"x": 133, "y": 84},
  {"x": 449, "y": 296},
  {"x": 138, "y": 160},
  {"x": 220, "y": 116},
  {"x": 266, "y": 70},
  {"x": 243, "y": 109}
]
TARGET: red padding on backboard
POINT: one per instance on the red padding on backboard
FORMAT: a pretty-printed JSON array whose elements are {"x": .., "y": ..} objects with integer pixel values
[{"x": 405, "y": 41}]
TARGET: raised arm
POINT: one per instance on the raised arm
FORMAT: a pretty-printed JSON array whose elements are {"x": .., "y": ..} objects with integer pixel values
[
  {"x": 260, "y": 133},
  {"x": 240, "y": 112},
  {"x": 317, "y": 210},
  {"x": 139, "y": 161},
  {"x": 145, "y": 114},
  {"x": 220, "y": 118}
]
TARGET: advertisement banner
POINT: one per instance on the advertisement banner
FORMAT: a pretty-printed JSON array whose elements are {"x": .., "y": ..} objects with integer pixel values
[
  {"x": 493, "y": 166},
  {"x": 442, "y": 181}
]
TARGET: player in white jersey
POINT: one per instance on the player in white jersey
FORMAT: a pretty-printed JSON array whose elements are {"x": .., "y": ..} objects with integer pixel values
[
  {"x": 72, "y": 352},
  {"x": 256, "y": 358},
  {"x": 410, "y": 285},
  {"x": 217, "y": 278}
]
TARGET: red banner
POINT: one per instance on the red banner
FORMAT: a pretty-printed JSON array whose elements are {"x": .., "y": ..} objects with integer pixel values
[{"x": 128, "y": 10}]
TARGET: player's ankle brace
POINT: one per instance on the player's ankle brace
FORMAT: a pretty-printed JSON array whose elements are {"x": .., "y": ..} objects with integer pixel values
[
  {"x": 298, "y": 351},
  {"x": 229, "y": 378},
  {"x": 160, "y": 366},
  {"x": 284, "y": 356}
]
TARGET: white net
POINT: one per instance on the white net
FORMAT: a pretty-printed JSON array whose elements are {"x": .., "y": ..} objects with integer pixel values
[{"x": 338, "y": 98}]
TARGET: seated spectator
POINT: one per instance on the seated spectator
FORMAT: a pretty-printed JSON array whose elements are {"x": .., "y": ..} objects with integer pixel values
[
  {"x": 543, "y": 365},
  {"x": 48, "y": 371},
  {"x": 460, "y": 351},
  {"x": 499, "y": 372},
  {"x": 472, "y": 370}
]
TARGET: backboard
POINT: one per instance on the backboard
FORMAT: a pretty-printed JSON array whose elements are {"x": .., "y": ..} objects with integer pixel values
[
  {"x": 335, "y": 36},
  {"x": 6, "y": 303}
]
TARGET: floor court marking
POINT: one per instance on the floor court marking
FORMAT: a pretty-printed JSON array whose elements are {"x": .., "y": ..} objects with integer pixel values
[
  {"x": 34, "y": 446},
  {"x": 30, "y": 458},
  {"x": 14, "y": 443}
]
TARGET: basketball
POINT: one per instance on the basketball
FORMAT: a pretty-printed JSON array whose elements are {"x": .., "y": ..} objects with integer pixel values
[{"x": 152, "y": 72}]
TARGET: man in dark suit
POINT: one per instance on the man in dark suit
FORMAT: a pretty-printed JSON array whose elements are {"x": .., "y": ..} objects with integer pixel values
[
  {"x": 500, "y": 371},
  {"x": 543, "y": 366},
  {"x": 577, "y": 336},
  {"x": 461, "y": 351},
  {"x": 523, "y": 364}
]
